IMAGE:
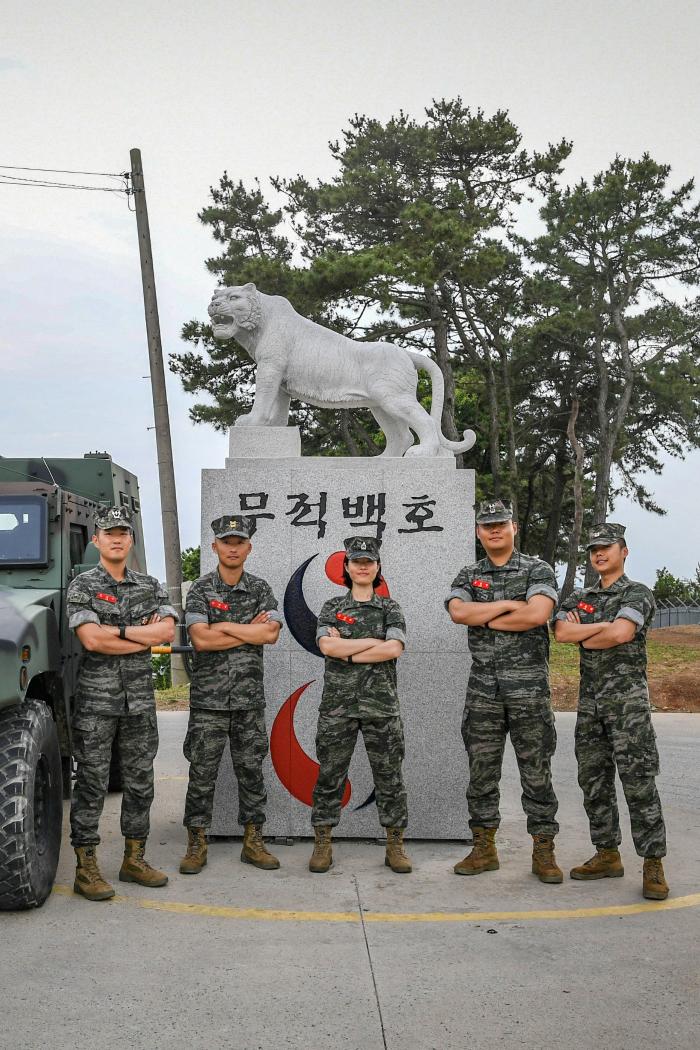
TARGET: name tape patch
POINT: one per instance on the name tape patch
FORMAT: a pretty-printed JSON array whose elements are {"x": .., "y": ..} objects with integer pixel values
[
  {"x": 483, "y": 585},
  {"x": 219, "y": 605},
  {"x": 344, "y": 618},
  {"x": 107, "y": 598},
  {"x": 586, "y": 607}
]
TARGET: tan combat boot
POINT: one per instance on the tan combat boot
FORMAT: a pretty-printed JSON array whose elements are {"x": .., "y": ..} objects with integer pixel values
[
  {"x": 396, "y": 857},
  {"x": 606, "y": 864},
  {"x": 88, "y": 877},
  {"x": 483, "y": 856},
  {"x": 544, "y": 863},
  {"x": 654, "y": 885},
  {"x": 196, "y": 856},
  {"x": 135, "y": 868},
  {"x": 254, "y": 851},
  {"x": 322, "y": 856}
]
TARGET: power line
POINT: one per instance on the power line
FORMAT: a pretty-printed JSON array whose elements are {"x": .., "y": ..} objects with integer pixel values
[
  {"x": 17, "y": 180},
  {"x": 66, "y": 171}
]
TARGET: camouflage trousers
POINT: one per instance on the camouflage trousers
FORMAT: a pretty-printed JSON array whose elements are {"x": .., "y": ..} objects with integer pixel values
[
  {"x": 207, "y": 734},
  {"x": 137, "y": 740},
  {"x": 530, "y": 722},
  {"x": 619, "y": 733},
  {"x": 336, "y": 737}
]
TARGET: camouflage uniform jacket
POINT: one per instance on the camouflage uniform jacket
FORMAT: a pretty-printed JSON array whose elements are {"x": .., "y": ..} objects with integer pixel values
[
  {"x": 361, "y": 690},
  {"x": 511, "y": 664},
  {"x": 620, "y": 672},
  {"x": 228, "y": 679},
  {"x": 110, "y": 684}
]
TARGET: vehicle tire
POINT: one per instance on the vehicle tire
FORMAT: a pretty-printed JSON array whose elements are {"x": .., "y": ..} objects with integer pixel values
[{"x": 31, "y": 805}]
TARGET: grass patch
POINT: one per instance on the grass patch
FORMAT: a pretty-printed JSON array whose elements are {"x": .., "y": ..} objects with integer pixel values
[
  {"x": 174, "y": 699},
  {"x": 662, "y": 659},
  {"x": 673, "y": 670}
]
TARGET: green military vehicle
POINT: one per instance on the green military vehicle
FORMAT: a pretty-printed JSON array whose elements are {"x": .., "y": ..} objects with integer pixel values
[{"x": 47, "y": 517}]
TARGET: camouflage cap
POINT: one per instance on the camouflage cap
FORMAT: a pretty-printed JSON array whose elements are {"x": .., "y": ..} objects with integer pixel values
[
  {"x": 605, "y": 533},
  {"x": 491, "y": 511},
  {"x": 362, "y": 547},
  {"x": 114, "y": 518},
  {"x": 233, "y": 525}
]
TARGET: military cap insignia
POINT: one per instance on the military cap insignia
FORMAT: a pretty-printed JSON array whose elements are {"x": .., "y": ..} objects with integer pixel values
[
  {"x": 113, "y": 517},
  {"x": 233, "y": 525},
  {"x": 605, "y": 533},
  {"x": 362, "y": 547},
  {"x": 493, "y": 512}
]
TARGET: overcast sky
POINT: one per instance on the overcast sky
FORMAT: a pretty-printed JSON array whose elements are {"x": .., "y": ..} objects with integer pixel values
[{"x": 258, "y": 88}]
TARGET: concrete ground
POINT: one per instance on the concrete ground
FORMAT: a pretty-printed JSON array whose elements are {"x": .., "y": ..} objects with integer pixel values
[{"x": 362, "y": 958}]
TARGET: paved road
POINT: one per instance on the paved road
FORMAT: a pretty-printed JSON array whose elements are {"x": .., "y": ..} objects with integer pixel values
[{"x": 435, "y": 965}]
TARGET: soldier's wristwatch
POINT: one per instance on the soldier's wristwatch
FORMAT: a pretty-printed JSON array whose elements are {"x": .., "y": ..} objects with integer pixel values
[
  {"x": 350, "y": 658},
  {"x": 122, "y": 632}
]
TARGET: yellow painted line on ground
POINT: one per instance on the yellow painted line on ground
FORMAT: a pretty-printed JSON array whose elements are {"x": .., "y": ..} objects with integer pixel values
[{"x": 691, "y": 900}]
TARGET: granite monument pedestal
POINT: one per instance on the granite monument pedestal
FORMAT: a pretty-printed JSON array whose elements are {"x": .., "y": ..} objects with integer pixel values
[{"x": 422, "y": 510}]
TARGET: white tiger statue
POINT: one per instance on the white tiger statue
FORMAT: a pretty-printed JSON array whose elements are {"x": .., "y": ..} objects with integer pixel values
[{"x": 300, "y": 359}]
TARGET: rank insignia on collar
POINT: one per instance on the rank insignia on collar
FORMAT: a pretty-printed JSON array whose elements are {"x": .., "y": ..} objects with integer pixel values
[
  {"x": 586, "y": 607},
  {"x": 107, "y": 598},
  {"x": 483, "y": 585}
]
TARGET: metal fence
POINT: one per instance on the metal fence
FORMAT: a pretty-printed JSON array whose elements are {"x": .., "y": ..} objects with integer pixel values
[{"x": 675, "y": 614}]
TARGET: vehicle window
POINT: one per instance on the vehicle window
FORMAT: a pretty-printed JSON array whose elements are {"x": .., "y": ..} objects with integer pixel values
[
  {"x": 23, "y": 530},
  {"x": 78, "y": 543}
]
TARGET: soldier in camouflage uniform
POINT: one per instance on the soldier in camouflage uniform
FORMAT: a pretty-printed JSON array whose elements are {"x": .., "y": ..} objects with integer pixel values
[
  {"x": 117, "y": 614},
  {"x": 506, "y": 600},
  {"x": 361, "y": 636},
  {"x": 609, "y": 622},
  {"x": 231, "y": 615}
]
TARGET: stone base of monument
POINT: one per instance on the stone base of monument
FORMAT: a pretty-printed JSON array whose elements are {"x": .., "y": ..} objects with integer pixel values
[{"x": 422, "y": 509}]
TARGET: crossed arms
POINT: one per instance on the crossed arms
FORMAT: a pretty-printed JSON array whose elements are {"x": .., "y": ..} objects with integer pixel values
[
  {"x": 208, "y": 637},
  {"x": 101, "y": 638},
  {"x": 362, "y": 650},
  {"x": 594, "y": 635},
  {"x": 503, "y": 615}
]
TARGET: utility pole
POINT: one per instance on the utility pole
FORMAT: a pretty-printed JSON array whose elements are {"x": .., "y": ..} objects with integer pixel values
[{"x": 166, "y": 473}]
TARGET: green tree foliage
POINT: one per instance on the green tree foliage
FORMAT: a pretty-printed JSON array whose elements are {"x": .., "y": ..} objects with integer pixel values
[
  {"x": 584, "y": 338},
  {"x": 672, "y": 588},
  {"x": 190, "y": 558},
  {"x": 160, "y": 670}
]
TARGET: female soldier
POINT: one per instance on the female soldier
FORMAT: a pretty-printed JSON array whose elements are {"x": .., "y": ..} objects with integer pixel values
[{"x": 361, "y": 636}]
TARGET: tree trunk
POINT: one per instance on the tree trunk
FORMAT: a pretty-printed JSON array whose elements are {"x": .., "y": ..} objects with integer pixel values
[
  {"x": 367, "y": 445},
  {"x": 610, "y": 423},
  {"x": 351, "y": 445},
  {"x": 484, "y": 365},
  {"x": 575, "y": 536},
  {"x": 549, "y": 546},
  {"x": 513, "y": 473},
  {"x": 524, "y": 524},
  {"x": 442, "y": 357}
]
